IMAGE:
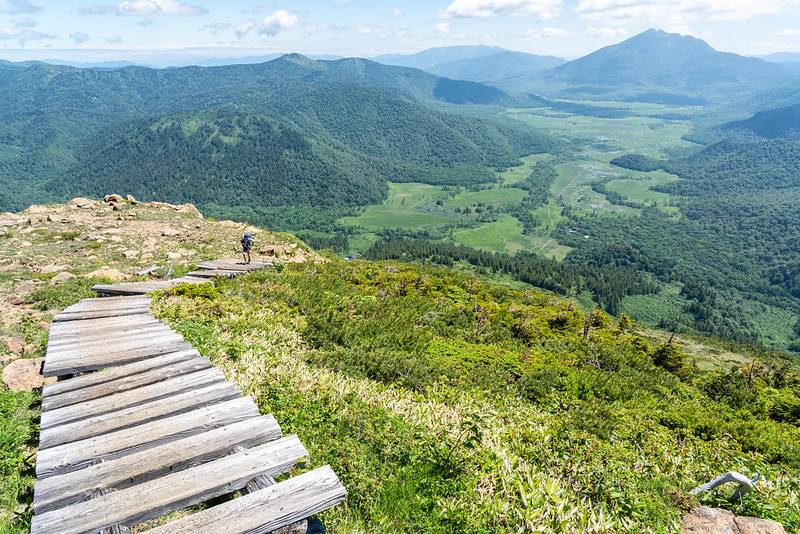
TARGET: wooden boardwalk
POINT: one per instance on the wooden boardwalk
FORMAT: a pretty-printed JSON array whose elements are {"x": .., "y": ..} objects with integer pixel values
[
  {"x": 224, "y": 267},
  {"x": 150, "y": 427}
]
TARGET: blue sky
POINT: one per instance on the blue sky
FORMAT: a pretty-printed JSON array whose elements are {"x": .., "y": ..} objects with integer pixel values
[{"x": 163, "y": 31}]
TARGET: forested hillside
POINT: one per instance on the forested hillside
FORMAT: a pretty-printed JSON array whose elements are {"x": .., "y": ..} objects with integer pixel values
[{"x": 367, "y": 122}]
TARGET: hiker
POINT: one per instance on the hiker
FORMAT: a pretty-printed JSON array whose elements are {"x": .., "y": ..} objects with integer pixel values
[{"x": 247, "y": 244}]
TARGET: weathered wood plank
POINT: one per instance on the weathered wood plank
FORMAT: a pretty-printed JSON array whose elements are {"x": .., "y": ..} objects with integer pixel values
[
  {"x": 71, "y": 488},
  {"x": 104, "y": 324},
  {"x": 109, "y": 303},
  {"x": 114, "y": 343},
  {"x": 140, "y": 288},
  {"x": 265, "y": 510},
  {"x": 124, "y": 384},
  {"x": 136, "y": 415},
  {"x": 92, "y": 361},
  {"x": 90, "y": 380},
  {"x": 127, "y": 399},
  {"x": 108, "y": 339},
  {"x": 171, "y": 492},
  {"x": 104, "y": 307},
  {"x": 79, "y": 454},
  {"x": 97, "y": 314}
]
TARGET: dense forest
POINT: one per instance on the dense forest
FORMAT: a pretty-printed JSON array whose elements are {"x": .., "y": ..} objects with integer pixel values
[{"x": 373, "y": 120}]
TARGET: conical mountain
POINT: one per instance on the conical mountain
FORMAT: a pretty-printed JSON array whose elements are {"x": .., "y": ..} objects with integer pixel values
[{"x": 659, "y": 62}]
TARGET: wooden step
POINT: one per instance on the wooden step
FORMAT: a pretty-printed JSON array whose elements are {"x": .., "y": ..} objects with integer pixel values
[
  {"x": 81, "y": 453},
  {"x": 154, "y": 498}
]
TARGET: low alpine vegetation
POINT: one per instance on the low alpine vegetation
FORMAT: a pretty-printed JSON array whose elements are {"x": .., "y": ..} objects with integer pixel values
[{"x": 447, "y": 404}]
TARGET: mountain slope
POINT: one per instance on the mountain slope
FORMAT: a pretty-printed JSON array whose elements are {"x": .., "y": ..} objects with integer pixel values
[
  {"x": 432, "y": 57},
  {"x": 486, "y": 64},
  {"x": 783, "y": 123},
  {"x": 656, "y": 60},
  {"x": 369, "y": 111},
  {"x": 497, "y": 68}
]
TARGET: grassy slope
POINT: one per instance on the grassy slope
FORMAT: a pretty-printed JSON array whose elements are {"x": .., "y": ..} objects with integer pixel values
[
  {"x": 443, "y": 402},
  {"x": 449, "y": 405}
]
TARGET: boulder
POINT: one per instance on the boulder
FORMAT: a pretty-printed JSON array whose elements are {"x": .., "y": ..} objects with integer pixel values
[
  {"x": 119, "y": 206},
  {"x": 81, "y": 202},
  {"x": 174, "y": 255},
  {"x": 754, "y": 525},
  {"x": 25, "y": 287},
  {"x": 24, "y": 374},
  {"x": 149, "y": 245},
  {"x": 50, "y": 269},
  {"x": 132, "y": 200},
  {"x": 15, "y": 345},
  {"x": 53, "y": 218},
  {"x": 63, "y": 276},
  {"x": 189, "y": 208},
  {"x": 113, "y": 198},
  {"x": 163, "y": 205},
  {"x": 9, "y": 219},
  {"x": 106, "y": 272},
  {"x": 36, "y": 209},
  {"x": 705, "y": 520},
  {"x": 170, "y": 232},
  {"x": 131, "y": 254}
]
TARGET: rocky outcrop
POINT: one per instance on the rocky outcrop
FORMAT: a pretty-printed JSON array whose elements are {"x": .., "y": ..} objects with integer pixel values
[{"x": 705, "y": 520}]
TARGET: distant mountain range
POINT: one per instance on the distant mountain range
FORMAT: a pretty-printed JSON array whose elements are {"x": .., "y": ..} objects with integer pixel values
[
  {"x": 654, "y": 66},
  {"x": 486, "y": 64},
  {"x": 245, "y": 135}
]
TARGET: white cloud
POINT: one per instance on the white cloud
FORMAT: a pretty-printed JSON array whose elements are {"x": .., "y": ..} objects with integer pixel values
[
  {"x": 341, "y": 2},
  {"x": 546, "y": 33},
  {"x": 79, "y": 37},
  {"x": 244, "y": 28},
  {"x": 8, "y": 33},
  {"x": 544, "y": 9},
  {"x": 158, "y": 7},
  {"x": 279, "y": 21},
  {"x": 606, "y": 32},
  {"x": 443, "y": 27},
  {"x": 216, "y": 27},
  {"x": 368, "y": 30},
  {"x": 679, "y": 12},
  {"x": 396, "y": 11},
  {"x": 114, "y": 40},
  {"x": 103, "y": 9},
  {"x": 785, "y": 33},
  {"x": 264, "y": 8},
  {"x": 26, "y": 23},
  {"x": 16, "y": 7},
  {"x": 319, "y": 28}
]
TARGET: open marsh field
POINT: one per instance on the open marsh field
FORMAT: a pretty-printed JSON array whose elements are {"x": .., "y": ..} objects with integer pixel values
[{"x": 587, "y": 183}]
